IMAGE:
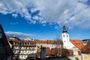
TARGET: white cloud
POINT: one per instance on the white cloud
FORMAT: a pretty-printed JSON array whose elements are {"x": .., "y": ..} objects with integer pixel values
[
  {"x": 70, "y": 12},
  {"x": 19, "y": 34}
]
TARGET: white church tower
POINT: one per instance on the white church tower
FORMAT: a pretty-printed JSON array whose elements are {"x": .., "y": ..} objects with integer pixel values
[{"x": 66, "y": 40}]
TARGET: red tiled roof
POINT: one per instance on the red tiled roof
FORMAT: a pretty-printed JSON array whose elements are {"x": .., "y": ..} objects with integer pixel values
[
  {"x": 77, "y": 43},
  {"x": 48, "y": 42},
  {"x": 86, "y": 48}
]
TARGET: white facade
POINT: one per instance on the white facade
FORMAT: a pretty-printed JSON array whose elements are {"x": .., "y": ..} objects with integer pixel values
[
  {"x": 48, "y": 45},
  {"x": 25, "y": 52}
]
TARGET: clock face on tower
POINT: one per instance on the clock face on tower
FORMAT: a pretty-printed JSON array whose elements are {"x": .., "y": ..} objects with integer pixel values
[{"x": 63, "y": 35}]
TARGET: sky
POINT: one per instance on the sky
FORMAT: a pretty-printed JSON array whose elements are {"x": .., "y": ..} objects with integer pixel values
[{"x": 44, "y": 19}]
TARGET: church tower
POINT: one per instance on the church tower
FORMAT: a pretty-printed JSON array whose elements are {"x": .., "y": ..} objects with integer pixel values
[{"x": 65, "y": 39}]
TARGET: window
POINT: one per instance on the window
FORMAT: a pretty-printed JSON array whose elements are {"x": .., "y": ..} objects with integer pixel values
[
  {"x": 1, "y": 44},
  {"x": 63, "y": 35},
  {"x": 2, "y": 48},
  {"x": 0, "y": 35}
]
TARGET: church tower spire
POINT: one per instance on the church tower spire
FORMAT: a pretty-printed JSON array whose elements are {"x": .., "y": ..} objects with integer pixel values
[
  {"x": 65, "y": 38},
  {"x": 65, "y": 29}
]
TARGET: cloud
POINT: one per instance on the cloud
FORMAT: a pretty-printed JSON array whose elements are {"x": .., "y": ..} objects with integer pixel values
[
  {"x": 19, "y": 34},
  {"x": 14, "y": 23},
  {"x": 69, "y": 12}
]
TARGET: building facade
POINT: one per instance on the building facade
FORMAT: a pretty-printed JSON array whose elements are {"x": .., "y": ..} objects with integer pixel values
[{"x": 23, "y": 49}]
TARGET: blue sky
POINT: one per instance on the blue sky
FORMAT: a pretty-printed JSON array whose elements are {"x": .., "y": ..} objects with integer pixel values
[
  {"x": 39, "y": 20},
  {"x": 37, "y": 30}
]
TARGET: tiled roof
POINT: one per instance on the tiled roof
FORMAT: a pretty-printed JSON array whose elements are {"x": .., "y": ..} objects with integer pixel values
[
  {"x": 36, "y": 41},
  {"x": 48, "y": 42},
  {"x": 77, "y": 43},
  {"x": 86, "y": 48}
]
